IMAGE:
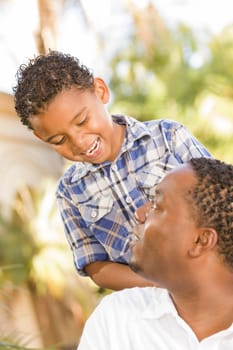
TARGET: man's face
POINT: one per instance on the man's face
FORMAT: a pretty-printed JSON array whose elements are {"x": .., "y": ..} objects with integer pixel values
[
  {"x": 160, "y": 249},
  {"x": 78, "y": 127}
]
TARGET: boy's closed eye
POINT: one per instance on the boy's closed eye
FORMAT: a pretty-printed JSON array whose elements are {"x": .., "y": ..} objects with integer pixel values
[
  {"x": 82, "y": 121},
  {"x": 59, "y": 142}
]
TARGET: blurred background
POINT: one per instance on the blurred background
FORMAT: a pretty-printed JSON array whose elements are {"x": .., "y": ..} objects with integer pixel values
[{"x": 162, "y": 59}]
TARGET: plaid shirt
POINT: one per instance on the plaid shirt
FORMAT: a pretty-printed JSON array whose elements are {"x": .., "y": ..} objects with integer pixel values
[{"x": 98, "y": 202}]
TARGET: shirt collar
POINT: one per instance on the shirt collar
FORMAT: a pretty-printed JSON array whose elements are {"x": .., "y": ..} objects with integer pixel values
[
  {"x": 160, "y": 305},
  {"x": 134, "y": 130}
]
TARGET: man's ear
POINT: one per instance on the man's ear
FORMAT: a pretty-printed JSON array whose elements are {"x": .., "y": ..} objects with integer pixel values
[
  {"x": 102, "y": 90},
  {"x": 205, "y": 240}
]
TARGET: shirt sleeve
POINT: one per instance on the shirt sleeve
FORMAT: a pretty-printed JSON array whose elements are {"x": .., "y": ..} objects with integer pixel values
[{"x": 85, "y": 247}]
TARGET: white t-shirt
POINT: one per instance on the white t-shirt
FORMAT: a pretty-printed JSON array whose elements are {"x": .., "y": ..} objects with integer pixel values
[{"x": 144, "y": 319}]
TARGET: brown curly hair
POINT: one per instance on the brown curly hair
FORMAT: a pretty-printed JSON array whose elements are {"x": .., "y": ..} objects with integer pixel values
[
  {"x": 43, "y": 78},
  {"x": 212, "y": 201}
]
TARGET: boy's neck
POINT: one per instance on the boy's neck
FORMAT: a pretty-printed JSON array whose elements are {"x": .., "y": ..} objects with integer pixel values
[{"x": 119, "y": 139}]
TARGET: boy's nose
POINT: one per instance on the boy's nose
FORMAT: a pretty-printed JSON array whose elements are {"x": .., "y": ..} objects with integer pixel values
[
  {"x": 74, "y": 149},
  {"x": 141, "y": 213},
  {"x": 76, "y": 143}
]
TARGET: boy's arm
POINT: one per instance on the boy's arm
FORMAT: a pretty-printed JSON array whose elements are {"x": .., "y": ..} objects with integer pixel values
[{"x": 115, "y": 276}]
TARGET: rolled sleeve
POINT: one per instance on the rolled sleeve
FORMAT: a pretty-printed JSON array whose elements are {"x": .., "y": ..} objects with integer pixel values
[{"x": 85, "y": 247}]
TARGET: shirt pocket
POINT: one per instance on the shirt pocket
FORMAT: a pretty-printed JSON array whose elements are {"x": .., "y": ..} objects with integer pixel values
[{"x": 95, "y": 208}]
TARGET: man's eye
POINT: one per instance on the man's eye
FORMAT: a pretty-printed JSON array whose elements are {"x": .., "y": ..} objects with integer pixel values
[{"x": 153, "y": 205}]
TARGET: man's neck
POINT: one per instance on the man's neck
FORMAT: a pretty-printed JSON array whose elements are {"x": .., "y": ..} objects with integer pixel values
[{"x": 207, "y": 309}]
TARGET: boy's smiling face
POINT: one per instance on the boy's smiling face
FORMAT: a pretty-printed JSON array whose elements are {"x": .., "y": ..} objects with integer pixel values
[{"x": 77, "y": 125}]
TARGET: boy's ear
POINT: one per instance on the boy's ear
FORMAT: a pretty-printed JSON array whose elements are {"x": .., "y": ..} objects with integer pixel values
[
  {"x": 102, "y": 90},
  {"x": 205, "y": 240}
]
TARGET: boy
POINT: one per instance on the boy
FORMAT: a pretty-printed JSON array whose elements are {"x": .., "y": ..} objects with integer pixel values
[{"x": 117, "y": 161}]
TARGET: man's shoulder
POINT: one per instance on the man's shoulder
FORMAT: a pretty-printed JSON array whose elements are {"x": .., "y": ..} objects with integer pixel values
[{"x": 136, "y": 298}]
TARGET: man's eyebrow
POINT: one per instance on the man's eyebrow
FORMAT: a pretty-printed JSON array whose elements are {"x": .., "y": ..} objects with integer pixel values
[
  {"x": 157, "y": 191},
  {"x": 72, "y": 120},
  {"x": 158, "y": 194}
]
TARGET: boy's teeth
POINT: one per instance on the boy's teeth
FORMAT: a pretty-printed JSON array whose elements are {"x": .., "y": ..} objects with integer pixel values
[{"x": 92, "y": 148}]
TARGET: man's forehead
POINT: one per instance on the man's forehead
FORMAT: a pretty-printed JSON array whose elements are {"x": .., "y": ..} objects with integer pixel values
[{"x": 182, "y": 177}]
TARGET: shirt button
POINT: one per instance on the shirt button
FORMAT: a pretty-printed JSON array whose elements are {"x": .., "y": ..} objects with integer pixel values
[
  {"x": 128, "y": 200},
  {"x": 114, "y": 168},
  {"x": 93, "y": 214}
]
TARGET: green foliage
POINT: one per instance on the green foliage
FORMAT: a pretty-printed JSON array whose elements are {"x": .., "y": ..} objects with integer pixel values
[
  {"x": 35, "y": 259},
  {"x": 164, "y": 73},
  {"x": 6, "y": 344},
  {"x": 19, "y": 249},
  {"x": 160, "y": 75},
  {"x": 220, "y": 77}
]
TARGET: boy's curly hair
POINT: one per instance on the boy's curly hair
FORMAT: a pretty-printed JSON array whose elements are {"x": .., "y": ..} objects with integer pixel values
[
  {"x": 43, "y": 78},
  {"x": 212, "y": 201}
]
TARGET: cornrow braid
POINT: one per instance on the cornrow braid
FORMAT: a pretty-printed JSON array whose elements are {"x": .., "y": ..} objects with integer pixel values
[{"x": 213, "y": 201}]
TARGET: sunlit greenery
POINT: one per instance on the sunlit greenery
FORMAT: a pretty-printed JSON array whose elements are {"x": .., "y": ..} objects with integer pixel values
[
  {"x": 158, "y": 73},
  {"x": 36, "y": 261},
  {"x": 164, "y": 73},
  {"x": 6, "y": 344}
]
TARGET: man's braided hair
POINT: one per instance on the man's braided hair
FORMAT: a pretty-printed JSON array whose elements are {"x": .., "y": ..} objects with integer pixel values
[
  {"x": 43, "y": 78},
  {"x": 212, "y": 197}
]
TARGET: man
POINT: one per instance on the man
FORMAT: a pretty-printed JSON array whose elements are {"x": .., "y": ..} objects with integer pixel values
[{"x": 184, "y": 243}]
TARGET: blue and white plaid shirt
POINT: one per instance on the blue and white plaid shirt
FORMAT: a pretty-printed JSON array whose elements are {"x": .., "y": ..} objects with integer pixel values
[{"x": 98, "y": 202}]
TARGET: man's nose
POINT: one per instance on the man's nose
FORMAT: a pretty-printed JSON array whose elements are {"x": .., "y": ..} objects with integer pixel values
[{"x": 142, "y": 212}]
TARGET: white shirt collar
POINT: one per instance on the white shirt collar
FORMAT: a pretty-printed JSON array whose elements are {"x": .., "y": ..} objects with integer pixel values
[{"x": 160, "y": 305}]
